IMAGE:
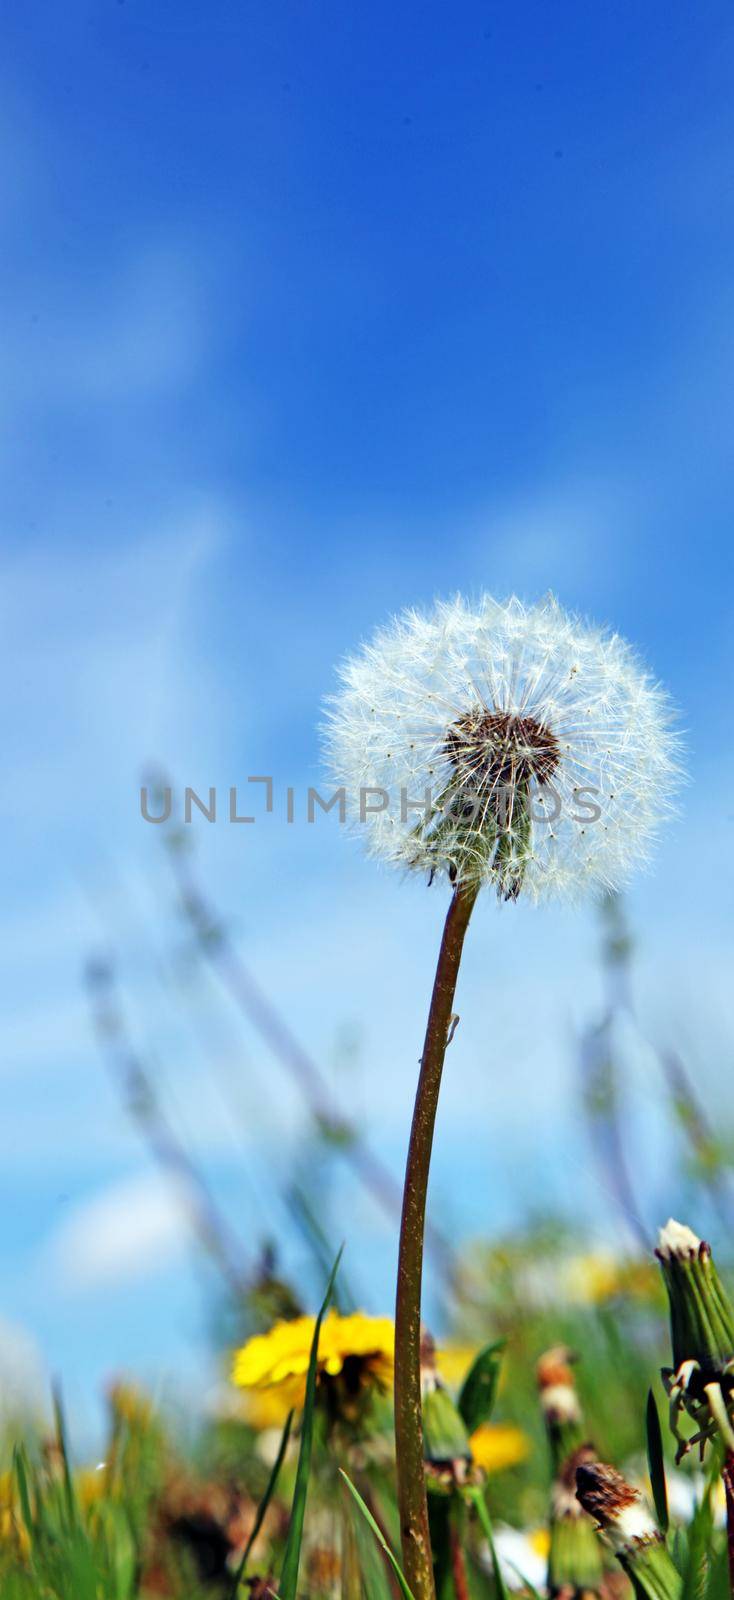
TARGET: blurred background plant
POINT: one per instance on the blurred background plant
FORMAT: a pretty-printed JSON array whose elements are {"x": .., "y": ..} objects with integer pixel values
[{"x": 168, "y": 1502}]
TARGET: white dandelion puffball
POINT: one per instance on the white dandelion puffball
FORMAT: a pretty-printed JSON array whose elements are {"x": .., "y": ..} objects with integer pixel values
[{"x": 503, "y": 744}]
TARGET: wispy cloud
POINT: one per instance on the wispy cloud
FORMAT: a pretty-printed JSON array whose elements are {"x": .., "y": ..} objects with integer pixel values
[
  {"x": 126, "y": 1233},
  {"x": 128, "y": 331},
  {"x": 97, "y": 643}
]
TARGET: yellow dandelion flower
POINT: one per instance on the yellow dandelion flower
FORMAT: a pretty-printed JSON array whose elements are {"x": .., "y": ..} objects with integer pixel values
[
  {"x": 263, "y": 1409},
  {"x": 453, "y": 1362},
  {"x": 361, "y": 1347},
  {"x": 497, "y": 1445},
  {"x": 599, "y": 1276}
]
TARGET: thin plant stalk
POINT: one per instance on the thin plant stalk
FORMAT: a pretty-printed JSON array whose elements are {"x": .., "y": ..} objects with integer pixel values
[
  {"x": 458, "y": 1566},
  {"x": 714, "y": 1167},
  {"x": 412, "y": 1503},
  {"x": 601, "y": 1087},
  {"x": 728, "y": 1476},
  {"x": 218, "y": 948},
  {"x": 145, "y": 1108}
]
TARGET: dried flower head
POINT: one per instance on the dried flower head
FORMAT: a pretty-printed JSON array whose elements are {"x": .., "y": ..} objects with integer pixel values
[
  {"x": 630, "y": 1528},
  {"x": 557, "y": 1390},
  {"x": 503, "y": 744},
  {"x": 618, "y": 1508}
]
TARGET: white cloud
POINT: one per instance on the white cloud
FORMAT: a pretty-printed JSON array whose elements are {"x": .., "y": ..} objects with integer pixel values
[
  {"x": 125, "y": 1233},
  {"x": 96, "y": 642}
]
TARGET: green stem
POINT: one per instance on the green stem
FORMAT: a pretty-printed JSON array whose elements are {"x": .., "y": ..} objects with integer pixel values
[{"x": 412, "y": 1505}]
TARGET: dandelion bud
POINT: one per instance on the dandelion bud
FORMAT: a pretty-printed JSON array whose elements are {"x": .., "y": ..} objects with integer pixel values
[
  {"x": 445, "y": 1439},
  {"x": 574, "y": 1556},
  {"x": 559, "y": 1403},
  {"x": 701, "y": 1316},
  {"x": 630, "y": 1529},
  {"x": 702, "y": 1335}
]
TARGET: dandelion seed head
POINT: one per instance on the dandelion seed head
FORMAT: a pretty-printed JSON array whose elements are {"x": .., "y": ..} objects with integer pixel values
[{"x": 547, "y": 750}]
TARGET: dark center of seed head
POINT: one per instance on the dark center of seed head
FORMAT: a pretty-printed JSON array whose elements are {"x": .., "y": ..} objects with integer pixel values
[{"x": 495, "y": 748}]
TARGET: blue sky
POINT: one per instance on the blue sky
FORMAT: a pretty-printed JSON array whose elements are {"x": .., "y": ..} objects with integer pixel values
[{"x": 310, "y": 312}]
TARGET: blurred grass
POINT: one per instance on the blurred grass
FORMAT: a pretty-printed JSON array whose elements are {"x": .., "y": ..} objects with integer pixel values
[
  {"x": 162, "y": 1516},
  {"x": 219, "y": 1508}
]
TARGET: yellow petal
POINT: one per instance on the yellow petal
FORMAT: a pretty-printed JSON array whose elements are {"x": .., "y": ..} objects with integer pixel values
[{"x": 497, "y": 1445}]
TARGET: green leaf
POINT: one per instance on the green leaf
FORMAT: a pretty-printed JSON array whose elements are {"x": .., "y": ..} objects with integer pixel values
[
  {"x": 479, "y": 1389},
  {"x": 291, "y": 1560},
  {"x": 376, "y": 1579},
  {"x": 379, "y": 1535},
  {"x": 718, "y": 1586},
  {"x": 476, "y": 1499},
  {"x": 264, "y": 1503},
  {"x": 656, "y": 1463}
]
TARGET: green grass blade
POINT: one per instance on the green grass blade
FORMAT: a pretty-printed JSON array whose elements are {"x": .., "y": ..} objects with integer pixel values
[
  {"x": 21, "y": 1478},
  {"x": 291, "y": 1561},
  {"x": 69, "y": 1493},
  {"x": 479, "y": 1389},
  {"x": 264, "y": 1503},
  {"x": 377, "y": 1579},
  {"x": 379, "y": 1535},
  {"x": 656, "y": 1463},
  {"x": 476, "y": 1498}
]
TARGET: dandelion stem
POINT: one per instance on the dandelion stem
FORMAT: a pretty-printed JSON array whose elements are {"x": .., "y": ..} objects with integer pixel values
[{"x": 412, "y": 1504}]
